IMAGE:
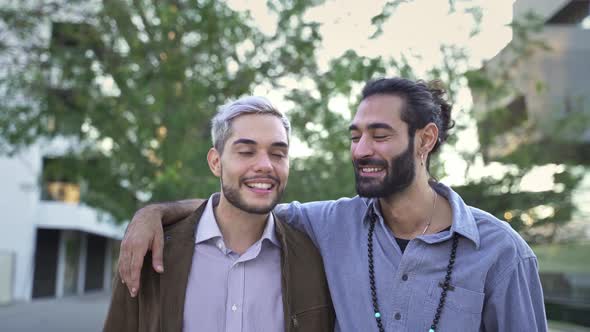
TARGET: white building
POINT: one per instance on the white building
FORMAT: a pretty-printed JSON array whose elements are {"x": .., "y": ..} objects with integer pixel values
[{"x": 50, "y": 244}]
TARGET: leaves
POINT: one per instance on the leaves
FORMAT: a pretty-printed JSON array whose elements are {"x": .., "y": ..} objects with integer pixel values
[
  {"x": 134, "y": 83},
  {"x": 379, "y": 19}
]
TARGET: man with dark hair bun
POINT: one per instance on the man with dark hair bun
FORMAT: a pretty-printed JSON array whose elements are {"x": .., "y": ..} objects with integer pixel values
[{"x": 407, "y": 253}]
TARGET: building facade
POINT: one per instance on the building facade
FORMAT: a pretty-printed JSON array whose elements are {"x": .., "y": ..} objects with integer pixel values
[
  {"x": 51, "y": 245},
  {"x": 534, "y": 105},
  {"x": 546, "y": 67}
]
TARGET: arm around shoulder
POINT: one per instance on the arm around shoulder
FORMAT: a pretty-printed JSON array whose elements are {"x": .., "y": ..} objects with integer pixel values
[
  {"x": 170, "y": 212},
  {"x": 315, "y": 218},
  {"x": 145, "y": 233}
]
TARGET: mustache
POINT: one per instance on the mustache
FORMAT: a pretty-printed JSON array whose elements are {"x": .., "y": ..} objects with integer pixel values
[{"x": 369, "y": 162}]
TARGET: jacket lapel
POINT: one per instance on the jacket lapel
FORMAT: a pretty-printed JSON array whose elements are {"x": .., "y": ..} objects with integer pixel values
[
  {"x": 179, "y": 247},
  {"x": 285, "y": 271}
]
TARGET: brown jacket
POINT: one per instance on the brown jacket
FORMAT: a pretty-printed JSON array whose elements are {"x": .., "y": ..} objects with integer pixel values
[{"x": 159, "y": 305}]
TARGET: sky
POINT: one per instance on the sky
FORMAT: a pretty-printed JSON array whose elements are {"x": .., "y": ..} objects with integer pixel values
[{"x": 418, "y": 28}]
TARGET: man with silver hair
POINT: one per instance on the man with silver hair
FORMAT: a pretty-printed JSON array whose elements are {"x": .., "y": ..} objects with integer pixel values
[{"x": 232, "y": 265}]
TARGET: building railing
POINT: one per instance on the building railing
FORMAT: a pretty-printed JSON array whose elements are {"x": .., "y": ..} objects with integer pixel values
[{"x": 567, "y": 296}]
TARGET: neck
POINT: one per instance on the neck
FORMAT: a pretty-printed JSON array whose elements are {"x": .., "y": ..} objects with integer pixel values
[
  {"x": 408, "y": 213},
  {"x": 239, "y": 228}
]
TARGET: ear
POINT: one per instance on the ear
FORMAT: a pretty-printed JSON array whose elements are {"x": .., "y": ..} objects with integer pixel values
[
  {"x": 426, "y": 139},
  {"x": 214, "y": 161}
]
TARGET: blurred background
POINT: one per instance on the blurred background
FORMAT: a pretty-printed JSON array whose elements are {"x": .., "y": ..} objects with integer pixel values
[{"x": 104, "y": 107}]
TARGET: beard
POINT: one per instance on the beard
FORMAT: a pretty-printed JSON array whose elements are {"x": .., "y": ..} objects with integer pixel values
[
  {"x": 235, "y": 198},
  {"x": 398, "y": 176}
]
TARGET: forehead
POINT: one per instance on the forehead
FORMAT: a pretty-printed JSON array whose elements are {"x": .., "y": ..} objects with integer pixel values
[
  {"x": 262, "y": 128},
  {"x": 379, "y": 109}
]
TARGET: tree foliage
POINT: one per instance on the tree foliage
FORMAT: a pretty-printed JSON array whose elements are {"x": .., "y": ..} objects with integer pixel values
[{"x": 132, "y": 85}]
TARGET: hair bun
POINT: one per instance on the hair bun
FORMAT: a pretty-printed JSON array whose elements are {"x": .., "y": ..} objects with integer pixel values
[{"x": 439, "y": 96}]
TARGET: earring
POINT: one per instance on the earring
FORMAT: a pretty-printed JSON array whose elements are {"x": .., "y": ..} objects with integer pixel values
[{"x": 421, "y": 159}]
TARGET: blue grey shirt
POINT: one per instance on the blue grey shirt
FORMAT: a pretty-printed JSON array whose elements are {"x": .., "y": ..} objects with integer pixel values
[{"x": 495, "y": 280}]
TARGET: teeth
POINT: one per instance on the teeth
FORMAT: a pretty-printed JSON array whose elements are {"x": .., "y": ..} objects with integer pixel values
[
  {"x": 259, "y": 185},
  {"x": 371, "y": 169}
]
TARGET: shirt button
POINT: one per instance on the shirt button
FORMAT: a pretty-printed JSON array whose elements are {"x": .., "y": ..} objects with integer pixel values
[
  {"x": 398, "y": 316},
  {"x": 234, "y": 307},
  {"x": 405, "y": 277}
]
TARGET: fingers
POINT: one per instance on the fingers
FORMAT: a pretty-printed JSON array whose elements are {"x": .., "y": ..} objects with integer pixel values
[
  {"x": 157, "y": 252},
  {"x": 133, "y": 249},
  {"x": 124, "y": 260},
  {"x": 134, "y": 268},
  {"x": 143, "y": 233}
]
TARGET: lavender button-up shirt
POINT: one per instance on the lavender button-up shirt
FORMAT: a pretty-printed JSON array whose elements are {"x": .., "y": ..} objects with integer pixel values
[{"x": 229, "y": 292}]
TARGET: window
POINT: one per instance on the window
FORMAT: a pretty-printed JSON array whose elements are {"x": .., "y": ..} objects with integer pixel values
[{"x": 60, "y": 180}]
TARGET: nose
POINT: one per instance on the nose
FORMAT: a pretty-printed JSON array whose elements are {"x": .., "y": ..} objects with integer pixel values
[
  {"x": 361, "y": 149},
  {"x": 263, "y": 163}
]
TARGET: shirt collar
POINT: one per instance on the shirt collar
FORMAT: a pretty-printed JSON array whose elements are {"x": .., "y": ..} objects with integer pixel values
[
  {"x": 208, "y": 229},
  {"x": 463, "y": 220}
]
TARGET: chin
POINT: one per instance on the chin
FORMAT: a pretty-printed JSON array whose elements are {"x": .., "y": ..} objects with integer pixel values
[
  {"x": 370, "y": 191},
  {"x": 266, "y": 209},
  {"x": 258, "y": 206}
]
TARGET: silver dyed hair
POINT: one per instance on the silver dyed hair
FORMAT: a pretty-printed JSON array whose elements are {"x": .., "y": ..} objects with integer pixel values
[{"x": 221, "y": 122}]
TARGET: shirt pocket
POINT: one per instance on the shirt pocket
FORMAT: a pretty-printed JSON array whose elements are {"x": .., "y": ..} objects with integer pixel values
[
  {"x": 317, "y": 318},
  {"x": 461, "y": 311}
]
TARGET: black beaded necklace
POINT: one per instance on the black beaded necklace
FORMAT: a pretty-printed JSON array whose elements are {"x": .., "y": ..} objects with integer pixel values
[{"x": 445, "y": 285}]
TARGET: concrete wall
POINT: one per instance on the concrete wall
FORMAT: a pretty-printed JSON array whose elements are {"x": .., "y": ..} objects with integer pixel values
[
  {"x": 553, "y": 81},
  {"x": 19, "y": 199},
  {"x": 23, "y": 212},
  {"x": 563, "y": 72},
  {"x": 6, "y": 276},
  {"x": 543, "y": 8},
  {"x": 57, "y": 215}
]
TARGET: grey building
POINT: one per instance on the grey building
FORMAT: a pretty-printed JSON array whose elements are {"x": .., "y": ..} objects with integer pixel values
[
  {"x": 547, "y": 69},
  {"x": 532, "y": 103}
]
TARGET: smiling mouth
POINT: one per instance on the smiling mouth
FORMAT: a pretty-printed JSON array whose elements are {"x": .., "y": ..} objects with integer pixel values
[
  {"x": 371, "y": 170},
  {"x": 260, "y": 185}
]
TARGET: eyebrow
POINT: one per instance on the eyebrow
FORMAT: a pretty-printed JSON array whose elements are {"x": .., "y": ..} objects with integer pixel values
[
  {"x": 280, "y": 144},
  {"x": 244, "y": 141},
  {"x": 253, "y": 142},
  {"x": 376, "y": 125}
]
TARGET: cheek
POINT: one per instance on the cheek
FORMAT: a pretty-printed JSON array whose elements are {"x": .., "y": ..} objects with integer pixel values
[
  {"x": 283, "y": 170},
  {"x": 352, "y": 147},
  {"x": 229, "y": 169},
  {"x": 390, "y": 149}
]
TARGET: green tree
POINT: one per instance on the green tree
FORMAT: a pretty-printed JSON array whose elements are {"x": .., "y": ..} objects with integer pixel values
[{"x": 133, "y": 83}]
